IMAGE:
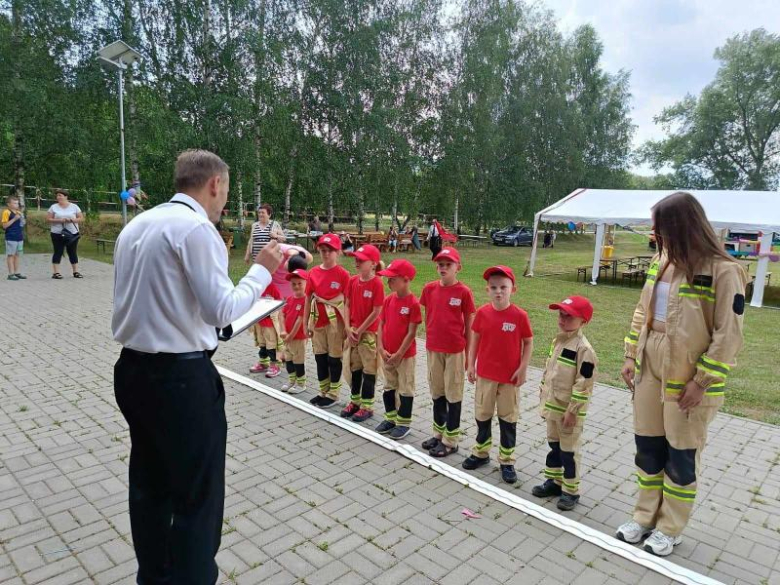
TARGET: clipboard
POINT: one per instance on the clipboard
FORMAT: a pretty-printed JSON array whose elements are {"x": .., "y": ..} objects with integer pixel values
[{"x": 260, "y": 310}]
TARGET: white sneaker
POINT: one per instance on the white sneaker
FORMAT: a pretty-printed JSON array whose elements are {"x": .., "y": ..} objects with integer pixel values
[
  {"x": 295, "y": 389},
  {"x": 286, "y": 387},
  {"x": 661, "y": 545},
  {"x": 633, "y": 532}
]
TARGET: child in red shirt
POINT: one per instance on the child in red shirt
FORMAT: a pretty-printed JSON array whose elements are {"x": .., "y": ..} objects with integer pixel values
[
  {"x": 449, "y": 312},
  {"x": 325, "y": 292},
  {"x": 399, "y": 320},
  {"x": 267, "y": 339},
  {"x": 294, "y": 332},
  {"x": 499, "y": 351},
  {"x": 365, "y": 296}
]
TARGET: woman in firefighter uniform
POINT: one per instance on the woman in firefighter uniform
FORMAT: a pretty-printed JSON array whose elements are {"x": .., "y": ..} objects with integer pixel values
[{"x": 684, "y": 338}]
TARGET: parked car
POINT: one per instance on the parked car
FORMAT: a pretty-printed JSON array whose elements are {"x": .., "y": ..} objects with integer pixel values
[{"x": 514, "y": 235}]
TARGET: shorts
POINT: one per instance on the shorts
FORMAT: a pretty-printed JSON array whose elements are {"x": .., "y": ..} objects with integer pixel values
[
  {"x": 295, "y": 350},
  {"x": 446, "y": 375},
  {"x": 401, "y": 377},
  {"x": 266, "y": 337},
  {"x": 13, "y": 248},
  {"x": 329, "y": 339}
]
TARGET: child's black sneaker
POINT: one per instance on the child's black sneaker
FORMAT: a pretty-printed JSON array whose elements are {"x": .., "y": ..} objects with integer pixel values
[
  {"x": 349, "y": 410},
  {"x": 316, "y": 400},
  {"x": 546, "y": 490},
  {"x": 567, "y": 502},
  {"x": 326, "y": 402},
  {"x": 473, "y": 462},
  {"x": 385, "y": 427},
  {"x": 508, "y": 473},
  {"x": 429, "y": 444},
  {"x": 399, "y": 432}
]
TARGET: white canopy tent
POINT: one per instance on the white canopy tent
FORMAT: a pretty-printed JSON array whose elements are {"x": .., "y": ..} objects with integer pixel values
[{"x": 736, "y": 210}]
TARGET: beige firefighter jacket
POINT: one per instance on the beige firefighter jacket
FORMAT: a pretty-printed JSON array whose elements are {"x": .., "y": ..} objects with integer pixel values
[
  {"x": 569, "y": 375},
  {"x": 703, "y": 326}
]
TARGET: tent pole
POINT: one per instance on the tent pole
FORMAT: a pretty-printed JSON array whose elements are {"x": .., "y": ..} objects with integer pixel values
[
  {"x": 761, "y": 270},
  {"x": 532, "y": 261},
  {"x": 594, "y": 273}
]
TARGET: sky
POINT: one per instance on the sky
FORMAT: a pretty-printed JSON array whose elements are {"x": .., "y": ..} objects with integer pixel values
[{"x": 666, "y": 45}]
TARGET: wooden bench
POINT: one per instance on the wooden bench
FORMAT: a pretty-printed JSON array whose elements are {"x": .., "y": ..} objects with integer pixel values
[
  {"x": 583, "y": 270},
  {"x": 633, "y": 274},
  {"x": 405, "y": 245},
  {"x": 101, "y": 244}
]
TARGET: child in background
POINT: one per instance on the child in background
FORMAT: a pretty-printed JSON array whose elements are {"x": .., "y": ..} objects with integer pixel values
[
  {"x": 294, "y": 332},
  {"x": 449, "y": 313},
  {"x": 499, "y": 352},
  {"x": 325, "y": 292},
  {"x": 13, "y": 224},
  {"x": 566, "y": 388},
  {"x": 267, "y": 339},
  {"x": 399, "y": 320},
  {"x": 365, "y": 296}
]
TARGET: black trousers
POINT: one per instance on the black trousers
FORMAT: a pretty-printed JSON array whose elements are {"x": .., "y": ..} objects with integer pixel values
[
  {"x": 176, "y": 413},
  {"x": 59, "y": 247}
]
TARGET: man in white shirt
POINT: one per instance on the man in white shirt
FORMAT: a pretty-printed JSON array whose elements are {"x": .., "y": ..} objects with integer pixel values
[{"x": 171, "y": 292}]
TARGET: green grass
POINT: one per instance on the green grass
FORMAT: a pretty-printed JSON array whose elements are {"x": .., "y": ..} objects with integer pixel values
[{"x": 753, "y": 390}]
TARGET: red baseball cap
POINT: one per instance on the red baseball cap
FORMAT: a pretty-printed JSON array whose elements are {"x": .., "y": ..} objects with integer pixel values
[
  {"x": 450, "y": 254},
  {"x": 399, "y": 268},
  {"x": 366, "y": 252},
  {"x": 299, "y": 273},
  {"x": 332, "y": 241},
  {"x": 576, "y": 307},
  {"x": 502, "y": 270}
]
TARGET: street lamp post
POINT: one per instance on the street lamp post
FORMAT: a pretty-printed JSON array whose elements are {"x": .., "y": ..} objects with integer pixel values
[{"x": 119, "y": 56}]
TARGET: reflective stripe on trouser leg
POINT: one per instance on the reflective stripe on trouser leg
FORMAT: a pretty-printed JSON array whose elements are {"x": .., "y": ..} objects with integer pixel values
[
  {"x": 323, "y": 373},
  {"x": 404, "y": 417},
  {"x": 554, "y": 469},
  {"x": 650, "y": 461},
  {"x": 686, "y": 436},
  {"x": 357, "y": 384},
  {"x": 649, "y": 433},
  {"x": 508, "y": 437},
  {"x": 452, "y": 431},
  {"x": 484, "y": 439},
  {"x": 571, "y": 440},
  {"x": 389, "y": 398},
  {"x": 439, "y": 416},
  {"x": 367, "y": 391},
  {"x": 334, "y": 368},
  {"x": 300, "y": 375}
]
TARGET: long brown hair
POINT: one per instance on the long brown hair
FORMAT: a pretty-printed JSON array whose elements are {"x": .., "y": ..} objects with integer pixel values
[{"x": 684, "y": 234}]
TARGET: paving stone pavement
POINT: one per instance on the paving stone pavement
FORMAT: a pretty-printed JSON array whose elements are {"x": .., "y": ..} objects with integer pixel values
[{"x": 311, "y": 503}]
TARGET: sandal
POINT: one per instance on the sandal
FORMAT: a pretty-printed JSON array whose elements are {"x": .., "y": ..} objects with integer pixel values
[
  {"x": 57, "y": 276},
  {"x": 77, "y": 275},
  {"x": 442, "y": 450}
]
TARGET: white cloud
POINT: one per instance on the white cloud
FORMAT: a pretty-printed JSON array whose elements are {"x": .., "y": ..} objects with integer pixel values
[{"x": 667, "y": 45}]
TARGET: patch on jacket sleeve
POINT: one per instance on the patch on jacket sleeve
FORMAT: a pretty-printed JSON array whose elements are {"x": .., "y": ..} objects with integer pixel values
[
  {"x": 702, "y": 280},
  {"x": 739, "y": 303},
  {"x": 569, "y": 354},
  {"x": 586, "y": 369}
]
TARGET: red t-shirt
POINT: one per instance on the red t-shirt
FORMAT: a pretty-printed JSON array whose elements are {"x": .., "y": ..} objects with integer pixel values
[
  {"x": 363, "y": 297},
  {"x": 446, "y": 311},
  {"x": 291, "y": 311},
  {"x": 270, "y": 293},
  {"x": 396, "y": 315},
  {"x": 327, "y": 284},
  {"x": 500, "y": 333}
]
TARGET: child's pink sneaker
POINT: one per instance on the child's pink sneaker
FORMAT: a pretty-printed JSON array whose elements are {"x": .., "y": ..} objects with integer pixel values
[
  {"x": 273, "y": 371},
  {"x": 258, "y": 368}
]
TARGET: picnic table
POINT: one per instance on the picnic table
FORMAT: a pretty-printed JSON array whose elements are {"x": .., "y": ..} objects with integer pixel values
[{"x": 470, "y": 240}]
